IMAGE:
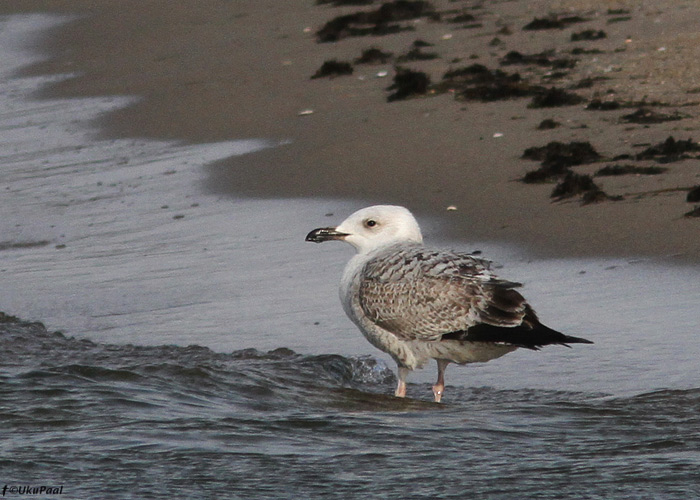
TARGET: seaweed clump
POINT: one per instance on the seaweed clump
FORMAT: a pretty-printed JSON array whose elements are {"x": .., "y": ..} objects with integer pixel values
[
  {"x": 551, "y": 22},
  {"x": 461, "y": 18},
  {"x": 670, "y": 151},
  {"x": 588, "y": 35},
  {"x": 693, "y": 195},
  {"x": 556, "y": 158},
  {"x": 333, "y": 68},
  {"x": 548, "y": 124},
  {"x": 613, "y": 170},
  {"x": 598, "y": 105},
  {"x": 572, "y": 153},
  {"x": 574, "y": 184},
  {"x": 373, "y": 55},
  {"x": 693, "y": 213},
  {"x": 554, "y": 97},
  {"x": 587, "y": 83},
  {"x": 416, "y": 53},
  {"x": 646, "y": 116},
  {"x": 408, "y": 83},
  {"x": 479, "y": 83},
  {"x": 381, "y": 21},
  {"x": 545, "y": 58}
]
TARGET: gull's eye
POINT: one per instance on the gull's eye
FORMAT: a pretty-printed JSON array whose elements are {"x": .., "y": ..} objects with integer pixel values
[{"x": 370, "y": 223}]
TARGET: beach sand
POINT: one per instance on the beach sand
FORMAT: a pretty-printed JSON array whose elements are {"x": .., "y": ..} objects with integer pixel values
[{"x": 217, "y": 70}]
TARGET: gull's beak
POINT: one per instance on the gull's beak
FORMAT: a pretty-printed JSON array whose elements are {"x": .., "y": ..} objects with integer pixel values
[{"x": 325, "y": 234}]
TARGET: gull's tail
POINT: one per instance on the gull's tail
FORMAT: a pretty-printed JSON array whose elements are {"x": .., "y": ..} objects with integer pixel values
[{"x": 525, "y": 336}]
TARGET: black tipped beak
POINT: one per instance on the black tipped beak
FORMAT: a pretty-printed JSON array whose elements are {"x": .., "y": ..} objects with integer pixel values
[{"x": 325, "y": 234}]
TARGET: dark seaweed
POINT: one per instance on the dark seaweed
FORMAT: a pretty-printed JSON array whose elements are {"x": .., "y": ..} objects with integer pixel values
[
  {"x": 670, "y": 151},
  {"x": 479, "y": 83},
  {"x": 555, "y": 97},
  {"x": 581, "y": 51},
  {"x": 376, "y": 22},
  {"x": 373, "y": 55},
  {"x": 552, "y": 22},
  {"x": 598, "y": 105},
  {"x": 547, "y": 124},
  {"x": 408, "y": 83},
  {"x": 623, "y": 156},
  {"x": 344, "y": 26},
  {"x": 693, "y": 195},
  {"x": 461, "y": 18},
  {"x": 597, "y": 196},
  {"x": 693, "y": 213},
  {"x": 477, "y": 72},
  {"x": 588, "y": 35},
  {"x": 573, "y": 184},
  {"x": 544, "y": 174},
  {"x": 569, "y": 154},
  {"x": 421, "y": 43},
  {"x": 556, "y": 158},
  {"x": 647, "y": 116},
  {"x": 416, "y": 54},
  {"x": 611, "y": 170},
  {"x": 620, "y": 19},
  {"x": 545, "y": 58},
  {"x": 333, "y": 68},
  {"x": 618, "y": 12},
  {"x": 587, "y": 83}
]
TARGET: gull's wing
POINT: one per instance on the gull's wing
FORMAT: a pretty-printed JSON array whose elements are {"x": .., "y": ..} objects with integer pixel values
[{"x": 422, "y": 294}]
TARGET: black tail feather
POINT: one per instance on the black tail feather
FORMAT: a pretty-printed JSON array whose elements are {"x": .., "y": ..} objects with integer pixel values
[
  {"x": 530, "y": 337},
  {"x": 568, "y": 339}
]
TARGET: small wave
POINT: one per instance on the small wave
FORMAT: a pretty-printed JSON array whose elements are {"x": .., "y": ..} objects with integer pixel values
[
  {"x": 93, "y": 373},
  {"x": 192, "y": 376},
  {"x": 355, "y": 370}
]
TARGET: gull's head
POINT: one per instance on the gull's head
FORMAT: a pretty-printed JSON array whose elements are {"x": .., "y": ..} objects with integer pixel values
[{"x": 372, "y": 228}]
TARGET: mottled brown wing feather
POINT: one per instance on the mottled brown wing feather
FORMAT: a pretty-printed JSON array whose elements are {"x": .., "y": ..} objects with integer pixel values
[{"x": 418, "y": 294}]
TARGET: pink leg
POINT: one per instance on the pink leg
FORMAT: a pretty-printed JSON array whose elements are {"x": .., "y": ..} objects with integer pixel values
[
  {"x": 401, "y": 388},
  {"x": 439, "y": 387}
]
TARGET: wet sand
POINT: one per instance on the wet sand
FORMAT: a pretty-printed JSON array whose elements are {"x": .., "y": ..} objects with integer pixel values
[{"x": 212, "y": 71}]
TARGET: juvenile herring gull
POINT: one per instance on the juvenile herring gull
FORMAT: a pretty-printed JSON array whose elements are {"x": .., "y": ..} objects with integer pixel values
[{"x": 418, "y": 303}]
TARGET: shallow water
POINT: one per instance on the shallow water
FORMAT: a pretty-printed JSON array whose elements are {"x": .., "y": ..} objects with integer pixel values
[
  {"x": 119, "y": 237},
  {"x": 125, "y": 421},
  {"x": 205, "y": 353}
]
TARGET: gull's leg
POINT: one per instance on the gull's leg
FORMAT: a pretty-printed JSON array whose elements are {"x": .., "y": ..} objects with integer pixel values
[
  {"x": 401, "y": 388},
  {"x": 439, "y": 386}
]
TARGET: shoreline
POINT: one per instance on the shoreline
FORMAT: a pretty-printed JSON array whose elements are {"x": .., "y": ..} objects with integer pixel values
[{"x": 215, "y": 71}]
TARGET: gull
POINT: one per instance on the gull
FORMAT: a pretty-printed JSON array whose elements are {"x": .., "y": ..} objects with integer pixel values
[{"x": 418, "y": 303}]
